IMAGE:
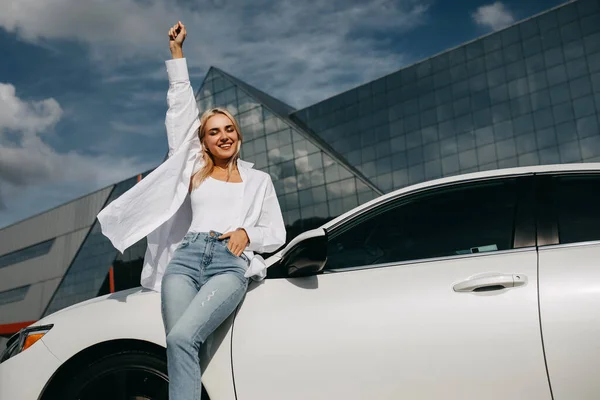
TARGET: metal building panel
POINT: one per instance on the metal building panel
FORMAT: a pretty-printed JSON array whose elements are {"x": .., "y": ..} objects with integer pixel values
[
  {"x": 67, "y": 218},
  {"x": 49, "y": 266},
  {"x": 28, "y": 309}
]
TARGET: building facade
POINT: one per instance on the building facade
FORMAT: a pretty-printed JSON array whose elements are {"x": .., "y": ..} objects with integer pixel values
[{"x": 528, "y": 94}]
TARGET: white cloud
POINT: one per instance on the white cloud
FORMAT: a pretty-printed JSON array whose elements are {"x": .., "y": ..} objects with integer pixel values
[
  {"x": 494, "y": 16},
  {"x": 27, "y": 162},
  {"x": 300, "y": 51},
  {"x": 29, "y": 118}
]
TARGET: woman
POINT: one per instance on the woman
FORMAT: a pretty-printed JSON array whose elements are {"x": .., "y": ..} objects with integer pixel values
[{"x": 204, "y": 213}]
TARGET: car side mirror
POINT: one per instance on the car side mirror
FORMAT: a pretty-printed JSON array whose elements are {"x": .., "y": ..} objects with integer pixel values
[{"x": 306, "y": 254}]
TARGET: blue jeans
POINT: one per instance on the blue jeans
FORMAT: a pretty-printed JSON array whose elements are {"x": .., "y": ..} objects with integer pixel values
[{"x": 203, "y": 284}]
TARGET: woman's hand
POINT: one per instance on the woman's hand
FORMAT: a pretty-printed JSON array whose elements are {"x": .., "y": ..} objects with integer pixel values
[
  {"x": 177, "y": 35},
  {"x": 238, "y": 240}
]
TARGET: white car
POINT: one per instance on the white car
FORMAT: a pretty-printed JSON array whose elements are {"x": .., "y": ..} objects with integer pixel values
[{"x": 480, "y": 286}]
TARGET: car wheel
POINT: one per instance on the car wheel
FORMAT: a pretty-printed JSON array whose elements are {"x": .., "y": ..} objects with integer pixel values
[{"x": 127, "y": 375}]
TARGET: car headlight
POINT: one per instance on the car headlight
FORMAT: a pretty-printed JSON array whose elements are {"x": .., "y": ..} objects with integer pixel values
[{"x": 23, "y": 340}]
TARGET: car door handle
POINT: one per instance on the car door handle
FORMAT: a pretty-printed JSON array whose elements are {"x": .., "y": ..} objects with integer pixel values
[{"x": 490, "y": 282}]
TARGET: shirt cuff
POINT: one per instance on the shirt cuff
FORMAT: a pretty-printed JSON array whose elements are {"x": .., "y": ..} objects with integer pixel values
[
  {"x": 255, "y": 238},
  {"x": 177, "y": 70}
]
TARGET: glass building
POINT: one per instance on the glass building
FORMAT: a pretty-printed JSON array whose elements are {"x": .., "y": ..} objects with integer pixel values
[{"x": 525, "y": 95}]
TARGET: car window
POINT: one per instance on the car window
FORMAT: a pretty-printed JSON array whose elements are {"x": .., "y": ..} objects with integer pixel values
[
  {"x": 465, "y": 219},
  {"x": 578, "y": 212}
]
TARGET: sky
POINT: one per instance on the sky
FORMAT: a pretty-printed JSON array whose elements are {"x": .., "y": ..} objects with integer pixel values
[{"x": 83, "y": 82}]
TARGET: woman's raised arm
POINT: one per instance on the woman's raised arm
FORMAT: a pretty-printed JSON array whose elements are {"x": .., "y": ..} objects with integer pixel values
[{"x": 182, "y": 120}]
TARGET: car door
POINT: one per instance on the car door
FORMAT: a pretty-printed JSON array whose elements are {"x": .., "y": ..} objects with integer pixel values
[
  {"x": 430, "y": 295},
  {"x": 570, "y": 283}
]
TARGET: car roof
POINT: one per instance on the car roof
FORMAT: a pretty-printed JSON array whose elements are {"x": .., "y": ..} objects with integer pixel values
[{"x": 495, "y": 173}]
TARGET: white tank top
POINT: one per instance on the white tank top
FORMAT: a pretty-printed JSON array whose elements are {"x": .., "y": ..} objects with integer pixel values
[{"x": 216, "y": 206}]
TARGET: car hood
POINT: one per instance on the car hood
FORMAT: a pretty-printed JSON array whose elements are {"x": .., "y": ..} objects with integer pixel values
[{"x": 123, "y": 294}]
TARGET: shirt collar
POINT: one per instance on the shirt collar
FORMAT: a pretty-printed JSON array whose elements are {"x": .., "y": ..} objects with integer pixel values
[{"x": 244, "y": 164}]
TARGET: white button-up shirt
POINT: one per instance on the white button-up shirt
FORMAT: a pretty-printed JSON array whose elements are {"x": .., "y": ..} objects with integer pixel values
[{"x": 158, "y": 207}]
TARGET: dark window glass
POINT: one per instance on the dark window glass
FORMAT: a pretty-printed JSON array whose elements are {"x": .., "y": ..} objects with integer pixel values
[
  {"x": 561, "y": 113},
  {"x": 466, "y": 141},
  {"x": 553, "y": 57},
  {"x": 528, "y": 29},
  {"x": 500, "y": 94},
  {"x": 492, "y": 42},
  {"x": 596, "y": 83},
  {"x": 468, "y": 219},
  {"x": 425, "y": 84},
  {"x": 478, "y": 82},
  {"x": 577, "y": 211},
  {"x": 476, "y": 66},
  {"x": 443, "y": 96},
  {"x": 590, "y": 24},
  {"x": 516, "y": 70},
  {"x": 445, "y": 112},
  {"x": 457, "y": 56},
  {"x": 424, "y": 69},
  {"x": 567, "y": 13},
  {"x": 551, "y": 39},
  {"x": 429, "y": 117},
  {"x": 570, "y": 152},
  {"x": 526, "y": 143},
  {"x": 587, "y": 7},
  {"x": 543, "y": 118},
  {"x": 409, "y": 75},
  {"x": 432, "y": 152},
  {"x": 503, "y": 130},
  {"x": 442, "y": 78},
  {"x": 532, "y": 46},
  {"x": 587, "y": 126},
  {"x": 520, "y": 106},
  {"x": 500, "y": 112},
  {"x": 482, "y": 118},
  {"x": 547, "y": 21},
  {"x": 27, "y": 253},
  {"x": 584, "y": 106},
  {"x": 594, "y": 62},
  {"x": 574, "y": 50},
  {"x": 506, "y": 149},
  {"x": 546, "y": 138},
  {"x": 513, "y": 53},
  {"x": 523, "y": 124},
  {"x": 464, "y": 123},
  {"x": 580, "y": 87},
  {"x": 592, "y": 43},
  {"x": 427, "y": 101},
  {"x": 378, "y": 86},
  {"x": 460, "y": 89},
  {"x": 494, "y": 60},
  {"x": 540, "y": 100},
  {"x": 480, "y": 100},
  {"x": 13, "y": 295},
  {"x": 570, "y": 32},
  {"x": 559, "y": 93},
  {"x": 510, "y": 36},
  {"x": 459, "y": 72},
  {"x": 566, "y": 132},
  {"x": 441, "y": 62},
  {"x": 496, "y": 77},
  {"x": 474, "y": 50},
  {"x": 556, "y": 75},
  {"x": 484, "y": 136},
  {"x": 577, "y": 68}
]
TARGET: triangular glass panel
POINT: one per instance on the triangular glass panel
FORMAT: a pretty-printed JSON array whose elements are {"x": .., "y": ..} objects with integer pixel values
[{"x": 312, "y": 185}]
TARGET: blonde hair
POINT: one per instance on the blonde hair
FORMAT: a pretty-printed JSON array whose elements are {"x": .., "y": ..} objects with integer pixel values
[{"x": 209, "y": 162}]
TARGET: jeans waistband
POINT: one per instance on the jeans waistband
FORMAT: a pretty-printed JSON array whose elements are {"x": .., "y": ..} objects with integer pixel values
[{"x": 210, "y": 235}]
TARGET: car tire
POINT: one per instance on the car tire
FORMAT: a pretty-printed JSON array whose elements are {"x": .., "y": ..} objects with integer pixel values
[{"x": 126, "y": 375}]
